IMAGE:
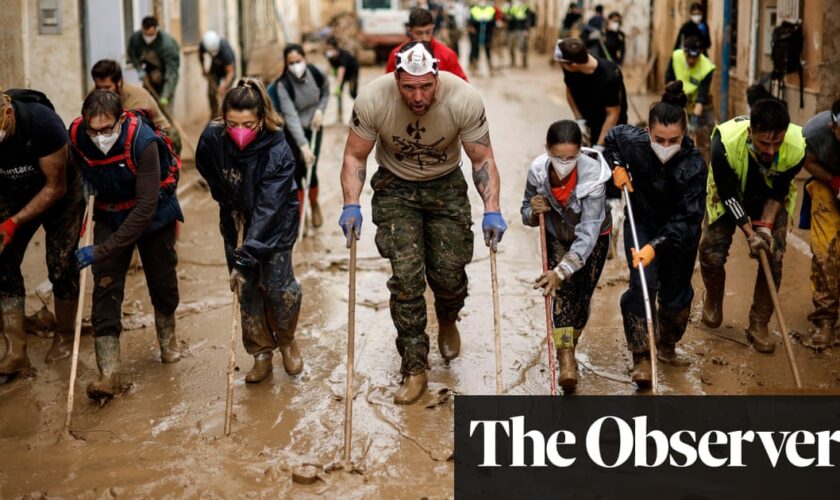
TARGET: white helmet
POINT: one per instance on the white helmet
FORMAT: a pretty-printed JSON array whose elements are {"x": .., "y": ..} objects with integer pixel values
[
  {"x": 417, "y": 61},
  {"x": 211, "y": 42}
]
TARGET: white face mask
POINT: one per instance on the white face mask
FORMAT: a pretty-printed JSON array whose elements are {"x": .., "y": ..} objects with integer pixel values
[
  {"x": 331, "y": 53},
  {"x": 614, "y": 26},
  {"x": 665, "y": 153},
  {"x": 149, "y": 39},
  {"x": 106, "y": 142},
  {"x": 563, "y": 167},
  {"x": 697, "y": 18},
  {"x": 298, "y": 69}
]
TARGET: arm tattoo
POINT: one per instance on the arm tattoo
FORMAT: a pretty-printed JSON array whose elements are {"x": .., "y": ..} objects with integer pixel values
[
  {"x": 481, "y": 177},
  {"x": 361, "y": 173}
]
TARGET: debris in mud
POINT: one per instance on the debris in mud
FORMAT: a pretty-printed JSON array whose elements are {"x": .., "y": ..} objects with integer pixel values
[
  {"x": 719, "y": 361},
  {"x": 705, "y": 380},
  {"x": 305, "y": 474}
]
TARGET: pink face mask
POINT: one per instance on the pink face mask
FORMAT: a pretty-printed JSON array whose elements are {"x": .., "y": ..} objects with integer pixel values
[{"x": 242, "y": 136}]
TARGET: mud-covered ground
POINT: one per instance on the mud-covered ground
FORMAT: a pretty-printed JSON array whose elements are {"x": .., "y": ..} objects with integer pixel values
[{"x": 163, "y": 437}]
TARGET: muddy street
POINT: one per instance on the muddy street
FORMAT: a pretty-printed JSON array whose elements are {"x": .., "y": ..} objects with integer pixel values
[{"x": 164, "y": 435}]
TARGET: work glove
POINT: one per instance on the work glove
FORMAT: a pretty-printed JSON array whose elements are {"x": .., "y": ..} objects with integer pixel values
[
  {"x": 621, "y": 178},
  {"x": 308, "y": 155},
  {"x": 761, "y": 239},
  {"x": 835, "y": 186},
  {"x": 351, "y": 222},
  {"x": 237, "y": 281},
  {"x": 7, "y": 232},
  {"x": 84, "y": 256},
  {"x": 551, "y": 280},
  {"x": 164, "y": 101},
  {"x": 87, "y": 189},
  {"x": 540, "y": 205},
  {"x": 337, "y": 91},
  {"x": 646, "y": 256},
  {"x": 494, "y": 228},
  {"x": 584, "y": 131},
  {"x": 317, "y": 120}
]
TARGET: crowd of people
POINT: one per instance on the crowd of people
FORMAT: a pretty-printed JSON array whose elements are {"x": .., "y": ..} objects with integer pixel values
[{"x": 259, "y": 155}]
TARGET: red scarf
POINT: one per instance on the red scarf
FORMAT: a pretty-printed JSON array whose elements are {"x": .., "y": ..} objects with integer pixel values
[{"x": 564, "y": 191}]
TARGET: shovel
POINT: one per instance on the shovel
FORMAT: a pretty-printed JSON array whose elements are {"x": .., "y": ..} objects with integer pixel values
[
  {"x": 240, "y": 230},
  {"x": 549, "y": 322},
  {"x": 648, "y": 313},
  {"x": 77, "y": 334}
]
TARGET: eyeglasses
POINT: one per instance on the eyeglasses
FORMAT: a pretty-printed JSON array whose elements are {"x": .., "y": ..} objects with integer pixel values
[{"x": 106, "y": 130}]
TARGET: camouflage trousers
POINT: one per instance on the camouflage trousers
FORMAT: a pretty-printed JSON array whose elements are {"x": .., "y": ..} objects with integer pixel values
[
  {"x": 423, "y": 228},
  {"x": 714, "y": 249},
  {"x": 571, "y": 303}
]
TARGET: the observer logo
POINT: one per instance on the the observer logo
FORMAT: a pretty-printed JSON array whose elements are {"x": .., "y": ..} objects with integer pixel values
[
  {"x": 683, "y": 448},
  {"x": 662, "y": 447}
]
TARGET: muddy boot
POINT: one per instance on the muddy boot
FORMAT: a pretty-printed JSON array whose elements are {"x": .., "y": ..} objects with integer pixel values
[
  {"x": 567, "y": 373},
  {"x": 713, "y": 304},
  {"x": 65, "y": 317},
  {"x": 292, "y": 360},
  {"x": 824, "y": 337},
  {"x": 317, "y": 218},
  {"x": 760, "y": 337},
  {"x": 413, "y": 387},
  {"x": 667, "y": 353},
  {"x": 15, "y": 361},
  {"x": 165, "y": 326},
  {"x": 108, "y": 359},
  {"x": 449, "y": 340},
  {"x": 261, "y": 370},
  {"x": 642, "y": 371}
]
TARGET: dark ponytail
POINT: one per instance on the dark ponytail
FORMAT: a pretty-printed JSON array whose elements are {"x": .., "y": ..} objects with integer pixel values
[
  {"x": 563, "y": 132},
  {"x": 671, "y": 109}
]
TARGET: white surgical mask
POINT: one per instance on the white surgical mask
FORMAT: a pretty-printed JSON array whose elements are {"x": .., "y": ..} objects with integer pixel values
[
  {"x": 665, "y": 153},
  {"x": 331, "y": 53},
  {"x": 149, "y": 39},
  {"x": 563, "y": 167},
  {"x": 696, "y": 18},
  {"x": 106, "y": 142},
  {"x": 614, "y": 26},
  {"x": 298, "y": 69}
]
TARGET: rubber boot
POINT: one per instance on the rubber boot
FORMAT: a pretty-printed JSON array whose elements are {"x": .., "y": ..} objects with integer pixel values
[
  {"x": 413, "y": 387},
  {"x": 165, "y": 326},
  {"x": 642, "y": 371},
  {"x": 15, "y": 361},
  {"x": 65, "y": 318},
  {"x": 317, "y": 218},
  {"x": 760, "y": 337},
  {"x": 449, "y": 340},
  {"x": 261, "y": 370},
  {"x": 108, "y": 359},
  {"x": 824, "y": 336},
  {"x": 292, "y": 360},
  {"x": 567, "y": 373},
  {"x": 667, "y": 353},
  {"x": 713, "y": 305}
]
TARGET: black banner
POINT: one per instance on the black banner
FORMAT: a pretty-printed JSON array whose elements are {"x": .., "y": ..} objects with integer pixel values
[{"x": 689, "y": 447}]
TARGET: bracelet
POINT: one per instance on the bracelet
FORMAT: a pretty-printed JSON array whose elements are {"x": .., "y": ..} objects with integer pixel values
[{"x": 761, "y": 223}]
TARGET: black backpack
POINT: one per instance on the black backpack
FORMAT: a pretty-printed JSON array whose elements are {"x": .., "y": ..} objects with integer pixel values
[
  {"x": 787, "y": 43},
  {"x": 290, "y": 89}
]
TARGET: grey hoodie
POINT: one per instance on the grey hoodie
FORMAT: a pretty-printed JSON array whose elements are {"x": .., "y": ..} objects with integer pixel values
[{"x": 308, "y": 99}]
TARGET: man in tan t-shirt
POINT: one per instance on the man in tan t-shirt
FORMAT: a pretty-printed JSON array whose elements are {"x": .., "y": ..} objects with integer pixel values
[
  {"x": 107, "y": 75},
  {"x": 418, "y": 119}
]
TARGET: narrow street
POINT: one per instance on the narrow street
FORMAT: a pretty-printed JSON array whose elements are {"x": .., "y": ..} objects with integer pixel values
[{"x": 164, "y": 436}]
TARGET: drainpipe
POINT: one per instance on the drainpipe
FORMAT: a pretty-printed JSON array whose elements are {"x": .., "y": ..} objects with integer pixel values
[
  {"x": 725, "y": 63},
  {"x": 754, "y": 19}
]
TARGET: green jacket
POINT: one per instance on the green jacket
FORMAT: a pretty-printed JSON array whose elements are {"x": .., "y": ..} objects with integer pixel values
[
  {"x": 163, "y": 52},
  {"x": 733, "y": 135}
]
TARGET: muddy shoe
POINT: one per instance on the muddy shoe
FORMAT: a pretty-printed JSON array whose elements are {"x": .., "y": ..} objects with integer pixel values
[
  {"x": 449, "y": 340},
  {"x": 824, "y": 336},
  {"x": 62, "y": 344},
  {"x": 15, "y": 361},
  {"x": 412, "y": 388},
  {"x": 165, "y": 327},
  {"x": 261, "y": 370},
  {"x": 760, "y": 338},
  {"x": 642, "y": 371},
  {"x": 292, "y": 361},
  {"x": 667, "y": 353},
  {"x": 108, "y": 359},
  {"x": 567, "y": 374},
  {"x": 712, "y": 309}
]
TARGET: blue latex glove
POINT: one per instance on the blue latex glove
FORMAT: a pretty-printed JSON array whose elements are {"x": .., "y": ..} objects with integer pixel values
[
  {"x": 494, "y": 228},
  {"x": 84, "y": 256},
  {"x": 351, "y": 217}
]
